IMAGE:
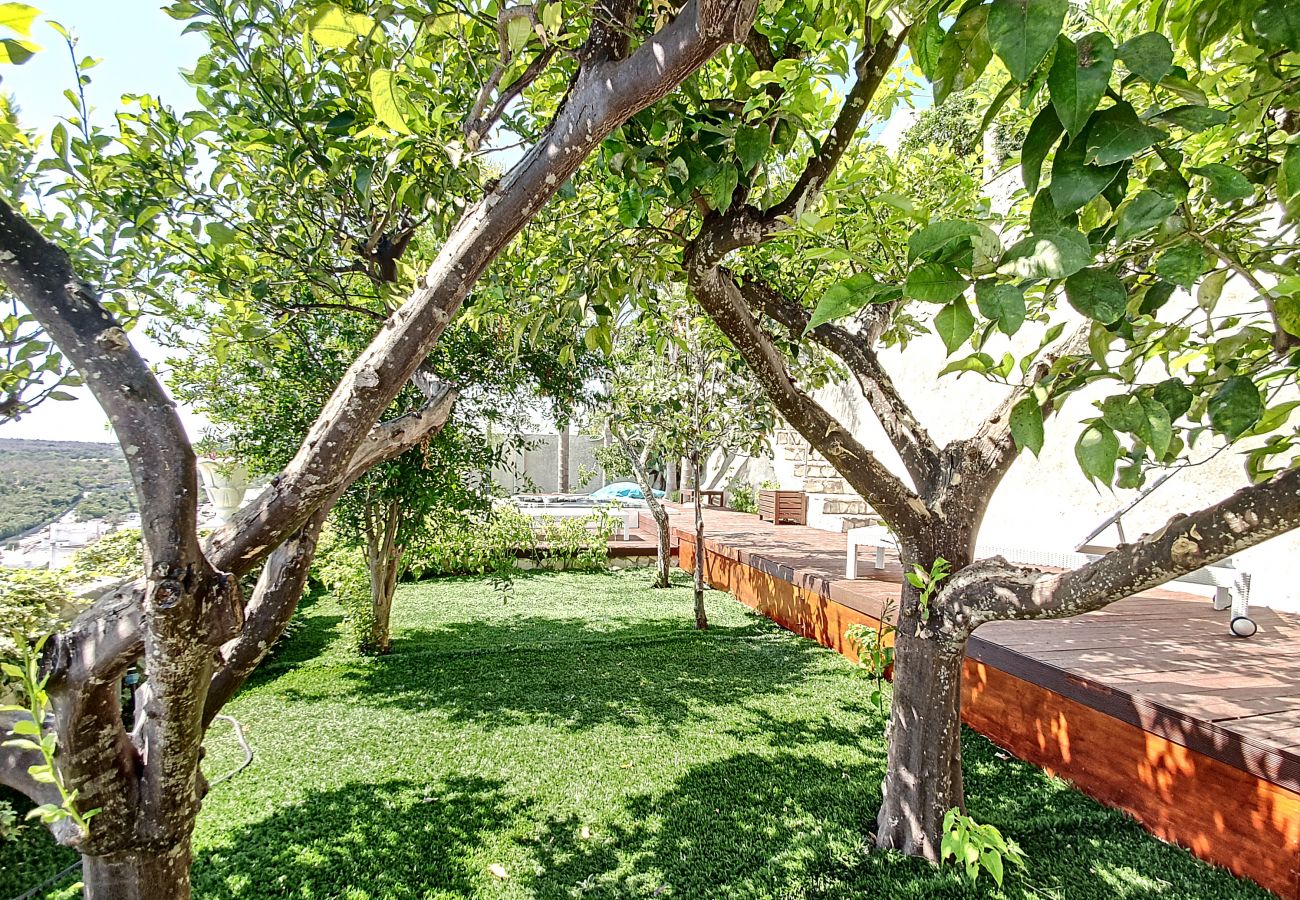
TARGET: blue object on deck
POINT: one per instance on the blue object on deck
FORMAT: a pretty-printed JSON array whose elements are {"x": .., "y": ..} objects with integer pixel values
[{"x": 621, "y": 490}]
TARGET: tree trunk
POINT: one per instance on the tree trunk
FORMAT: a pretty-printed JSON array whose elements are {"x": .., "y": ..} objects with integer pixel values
[
  {"x": 672, "y": 477},
  {"x": 562, "y": 460},
  {"x": 701, "y": 619},
  {"x": 923, "y": 777},
  {"x": 383, "y": 556},
  {"x": 139, "y": 875},
  {"x": 663, "y": 555}
]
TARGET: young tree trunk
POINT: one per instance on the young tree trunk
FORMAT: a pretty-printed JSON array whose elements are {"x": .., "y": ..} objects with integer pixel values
[
  {"x": 701, "y": 619},
  {"x": 562, "y": 460},
  {"x": 383, "y": 557},
  {"x": 923, "y": 777},
  {"x": 138, "y": 875},
  {"x": 663, "y": 559}
]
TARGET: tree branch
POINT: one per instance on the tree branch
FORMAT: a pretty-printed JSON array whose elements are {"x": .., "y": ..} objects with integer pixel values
[
  {"x": 872, "y": 65},
  {"x": 995, "y": 590},
  {"x": 918, "y": 451},
  {"x": 986, "y": 456},
  {"x": 720, "y": 296}
]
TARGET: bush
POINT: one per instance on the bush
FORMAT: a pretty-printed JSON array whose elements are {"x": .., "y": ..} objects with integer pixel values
[
  {"x": 9, "y": 824},
  {"x": 117, "y": 554},
  {"x": 33, "y": 602},
  {"x": 455, "y": 545},
  {"x": 743, "y": 498},
  {"x": 341, "y": 569}
]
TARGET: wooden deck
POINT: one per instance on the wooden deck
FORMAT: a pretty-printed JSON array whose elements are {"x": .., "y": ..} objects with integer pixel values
[{"x": 1149, "y": 705}]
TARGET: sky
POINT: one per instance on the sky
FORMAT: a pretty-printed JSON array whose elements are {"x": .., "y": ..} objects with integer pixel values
[{"x": 142, "y": 50}]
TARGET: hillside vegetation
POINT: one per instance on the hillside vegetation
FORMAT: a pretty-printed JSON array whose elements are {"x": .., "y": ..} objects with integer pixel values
[{"x": 41, "y": 480}]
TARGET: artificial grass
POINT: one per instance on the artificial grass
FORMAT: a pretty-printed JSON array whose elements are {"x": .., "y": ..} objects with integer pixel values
[{"x": 581, "y": 740}]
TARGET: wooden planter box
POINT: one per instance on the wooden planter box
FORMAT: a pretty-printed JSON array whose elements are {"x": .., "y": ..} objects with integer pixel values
[{"x": 783, "y": 507}]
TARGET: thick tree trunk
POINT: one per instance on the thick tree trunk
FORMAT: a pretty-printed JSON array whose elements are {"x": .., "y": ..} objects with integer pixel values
[
  {"x": 923, "y": 778},
  {"x": 701, "y": 619},
  {"x": 139, "y": 875}
]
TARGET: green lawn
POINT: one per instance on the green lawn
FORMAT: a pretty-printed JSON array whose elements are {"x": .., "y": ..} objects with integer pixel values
[{"x": 583, "y": 741}]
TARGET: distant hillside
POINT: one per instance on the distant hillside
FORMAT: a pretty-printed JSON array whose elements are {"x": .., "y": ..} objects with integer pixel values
[{"x": 41, "y": 480}]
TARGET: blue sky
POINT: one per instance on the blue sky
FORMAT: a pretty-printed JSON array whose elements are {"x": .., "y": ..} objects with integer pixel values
[{"x": 142, "y": 50}]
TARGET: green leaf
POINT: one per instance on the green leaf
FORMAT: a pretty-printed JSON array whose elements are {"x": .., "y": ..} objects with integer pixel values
[
  {"x": 965, "y": 54},
  {"x": 631, "y": 207},
  {"x": 385, "y": 94},
  {"x": 949, "y": 241},
  {"x": 1148, "y": 56},
  {"x": 723, "y": 188},
  {"x": 1056, "y": 254},
  {"x": 1117, "y": 134},
  {"x": 752, "y": 145},
  {"x": 1075, "y": 181},
  {"x": 1078, "y": 78},
  {"x": 332, "y": 27},
  {"x": 1096, "y": 451},
  {"x": 955, "y": 324},
  {"x": 1288, "y": 180},
  {"x": 518, "y": 30},
  {"x": 1235, "y": 406},
  {"x": 18, "y": 17},
  {"x": 926, "y": 43},
  {"x": 848, "y": 296},
  {"x": 16, "y": 52},
  {"x": 976, "y": 362},
  {"x": 1155, "y": 429},
  {"x": 1192, "y": 117},
  {"x": 992, "y": 860},
  {"x": 1182, "y": 265},
  {"x": 1286, "y": 309},
  {"x": 1174, "y": 396},
  {"x": 1003, "y": 303},
  {"x": 1278, "y": 22},
  {"x": 1144, "y": 212},
  {"x": 1226, "y": 183},
  {"x": 1027, "y": 425},
  {"x": 26, "y": 726},
  {"x": 1098, "y": 294},
  {"x": 1043, "y": 132},
  {"x": 934, "y": 283},
  {"x": 1022, "y": 31}
]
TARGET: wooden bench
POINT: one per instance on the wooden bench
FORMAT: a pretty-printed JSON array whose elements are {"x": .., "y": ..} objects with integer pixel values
[
  {"x": 783, "y": 507},
  {"x": 715, "y": 499}
]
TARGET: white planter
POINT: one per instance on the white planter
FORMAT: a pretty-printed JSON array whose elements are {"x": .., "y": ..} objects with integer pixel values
[{"x": 226, "y": 482}]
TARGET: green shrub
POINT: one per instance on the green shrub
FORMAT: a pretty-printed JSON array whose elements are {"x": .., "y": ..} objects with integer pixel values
[
  {"x": 117, "y": 554},
  {"x": 9, "y": 824},
  {"x": 341, "y": 569},
  {"x": 743, "y": 498},
  {"x": 457, "y": 545},
  {"x": 32, "y": 602}
]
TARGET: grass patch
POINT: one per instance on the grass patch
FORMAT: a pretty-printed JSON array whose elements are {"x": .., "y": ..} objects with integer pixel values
[{"x": 584, "y": 741}]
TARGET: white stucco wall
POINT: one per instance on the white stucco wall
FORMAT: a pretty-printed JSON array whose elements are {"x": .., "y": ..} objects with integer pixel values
[{"x": 1048, "y": 503}]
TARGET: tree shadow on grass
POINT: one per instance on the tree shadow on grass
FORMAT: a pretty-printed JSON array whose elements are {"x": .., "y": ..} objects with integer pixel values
[
  {"x": 782, "y": 824},
  {"x": 395, "y": 840},
  {"x": 571, "y": 673}
]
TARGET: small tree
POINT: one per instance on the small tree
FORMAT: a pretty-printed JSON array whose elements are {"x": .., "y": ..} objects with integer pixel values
[{"x": 674, "y": 389}]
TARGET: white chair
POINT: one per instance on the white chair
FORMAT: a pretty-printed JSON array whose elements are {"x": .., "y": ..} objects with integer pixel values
[{"x": 1231, "y": 585}]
